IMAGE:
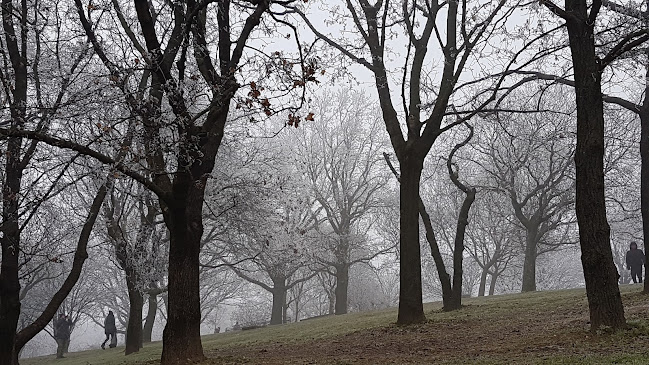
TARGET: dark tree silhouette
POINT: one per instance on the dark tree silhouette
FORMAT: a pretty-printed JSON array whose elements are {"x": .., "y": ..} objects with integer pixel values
[{"x": 604, "y": 300}]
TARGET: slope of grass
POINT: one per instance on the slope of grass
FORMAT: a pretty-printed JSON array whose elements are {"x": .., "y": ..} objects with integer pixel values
[{"x": 531, "y": 328}]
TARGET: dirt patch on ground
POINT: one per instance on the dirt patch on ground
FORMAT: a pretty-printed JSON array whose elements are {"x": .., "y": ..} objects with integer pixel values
[{"x": 487, "y": 333}]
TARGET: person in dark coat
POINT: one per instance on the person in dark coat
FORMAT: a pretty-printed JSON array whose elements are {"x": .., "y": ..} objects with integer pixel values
[
  {"x": 62, "y": 330},
  {"x": 634, "y": 262},
  {"x": 110, "y": 330}
]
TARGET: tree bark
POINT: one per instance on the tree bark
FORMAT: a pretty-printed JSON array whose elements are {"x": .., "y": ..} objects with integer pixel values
[
  {"x": 136, "y": 301},
  {"x": 492, "y": 284},
  {"x": 66, "y": 347},
  {"x": 10, "y": 240},
  {"x": 529, "y": 264},
  {"x": 182, "y": 334},
  {"x": 279, "y": 301},
  {"x": 604, "y": 300},
  {"x": 455, "y": 301},
  {"x": 10, "y": 229},
  {"x": 150, "y": 318},
  {"x": 644, "y": 161},
  {"x": 342, "y": 285},
  {"x": 483, "y": 282},
  {"x": 644, "y": 173},
  {"x": 297, "y": 310},
  {"x": 444, "y": 278},
  {"x": 411, "y": 309}
]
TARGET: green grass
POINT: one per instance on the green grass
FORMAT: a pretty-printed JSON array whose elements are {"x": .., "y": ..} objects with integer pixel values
[{"x": 533, "y": 328}]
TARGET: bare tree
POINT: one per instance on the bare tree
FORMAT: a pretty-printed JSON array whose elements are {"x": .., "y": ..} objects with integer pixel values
[
  {"x": 132, "y": 225},
  {"x": 492, "y": 241},
  {"x": 31, "y": 98},
  {"x": 181, "y": 127},
  {"x": 632, "y": 22},
  {"x": 529, "y": 158},
  {"x": 424, "y": 105},
  {"x": 451, "y": 284},
  {"x": 218, "y": 286},
  {"x": 604, "y": 300},
  {"x": 273, "y": 253},
  {"x": 328, "y": 285},
  {"x": 366, "y": 292},
  {"x": 111, "y": 291},
  {"x": 36, "y": 295},
  {"x": 298, "y": 297},
  {"x": 342, "y": 160}
]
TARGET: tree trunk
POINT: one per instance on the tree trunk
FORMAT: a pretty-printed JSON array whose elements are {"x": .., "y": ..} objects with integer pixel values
[
  {"x": 297, "y": 309},
  {"x": 150, "y": 318},
  {"x": 444, "y": 277},
  {"x": 644, "y": 174},
  {"x": 644, "y": 162},
  {"x": 342, "y": 285},
  {"x": 492, "y": 284},
  {"x": 604, "y": 300},
  {"x": 14, "y": 167},
  {"x": 455, "y": 301},
  {"x": 182, "y": 334},
  {"x": 411, "y": 309},
  {"x": 285, "y": 318},
  {"x": 529, "y": 264},
  {"x": 332, "y": 303},
  {"x": 279, "y": 300},
  {"x": 10, "y": 240},
  {"x": 136, "y": 301},
  {"x": 483, "y": 282}
]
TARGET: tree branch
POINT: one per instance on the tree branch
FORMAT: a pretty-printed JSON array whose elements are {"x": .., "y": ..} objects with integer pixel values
[{"x": 87, "y": 151}]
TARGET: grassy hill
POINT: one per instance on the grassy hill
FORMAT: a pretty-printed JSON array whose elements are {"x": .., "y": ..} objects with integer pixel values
[{"x": 534, "y": 328}]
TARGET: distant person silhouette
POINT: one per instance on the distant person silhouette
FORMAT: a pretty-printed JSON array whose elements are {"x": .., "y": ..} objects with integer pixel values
[
  {"x": 634, "y": 261},
  {"x": 110, "y": 330}
]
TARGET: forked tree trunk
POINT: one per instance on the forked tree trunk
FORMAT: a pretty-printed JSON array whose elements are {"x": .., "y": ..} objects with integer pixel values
[
  {"x": 182, "y": 334},
  {"x": 604, "y": 300},
  {"x": 444, "y": 278},
  {"x": 529, "y": 263},
  {"x": 342, "y": 285},
  {"x": 150, "y": 318},
  {"x": 136, "y": 301},
  {"x": 411, "y": 309}
]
